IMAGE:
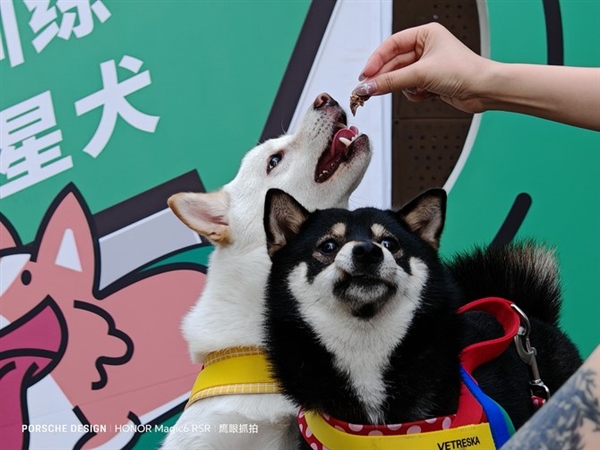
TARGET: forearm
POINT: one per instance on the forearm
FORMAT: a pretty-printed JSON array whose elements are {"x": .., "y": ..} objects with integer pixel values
[
  {"x": 563, "y": 94},
  {"x": 571, "y": 418}
]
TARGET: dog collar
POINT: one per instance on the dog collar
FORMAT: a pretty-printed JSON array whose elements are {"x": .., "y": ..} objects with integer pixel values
[
  {"x": 235, "y": 370},
  {"x": 478, "y": 436},
  {"x": 479, "y": 422},
  {"x": 490, "y": 431}
]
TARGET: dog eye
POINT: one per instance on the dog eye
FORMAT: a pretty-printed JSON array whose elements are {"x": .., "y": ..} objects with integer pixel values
[
  {"x": 26, "y": 277},
  {"x": 390, "y": 244},
  {"x": 328, "y": 247},
  {"x": 273, "y": 161}
]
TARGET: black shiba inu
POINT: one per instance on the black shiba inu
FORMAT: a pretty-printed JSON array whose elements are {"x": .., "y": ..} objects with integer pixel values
[{"x": 361, "y": 314}]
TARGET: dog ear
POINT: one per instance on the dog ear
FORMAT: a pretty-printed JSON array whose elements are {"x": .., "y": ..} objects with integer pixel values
[
  {"x": 425, "y": 216},
  {"x": 282, "y": 220},
  {"x": 206, "y": 213}
]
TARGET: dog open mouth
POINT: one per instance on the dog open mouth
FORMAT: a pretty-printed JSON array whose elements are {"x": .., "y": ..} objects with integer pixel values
[
  {"x": 30, "y": 348},
  {"x": 344, "y": 144}
]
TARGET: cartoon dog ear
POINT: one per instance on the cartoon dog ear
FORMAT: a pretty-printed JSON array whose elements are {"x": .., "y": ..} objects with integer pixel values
[
  {"x": 205, "y": 213},
  {"x": 282, "y": 220},
  {"x": 425, "y": 216},
  {"x": 66, "y": 238}
]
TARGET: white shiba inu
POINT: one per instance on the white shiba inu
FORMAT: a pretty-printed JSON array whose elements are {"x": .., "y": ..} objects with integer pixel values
[{"x": 320, "y": 164}]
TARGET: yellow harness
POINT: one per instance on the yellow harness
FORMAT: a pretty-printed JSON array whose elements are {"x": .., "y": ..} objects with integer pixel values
[{"x": 236, "y": 370}]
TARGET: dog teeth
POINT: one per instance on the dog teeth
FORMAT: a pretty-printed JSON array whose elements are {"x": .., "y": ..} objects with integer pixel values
[{"x": 346, "y": 141}]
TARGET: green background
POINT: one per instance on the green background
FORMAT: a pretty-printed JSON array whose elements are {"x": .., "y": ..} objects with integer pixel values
[
  {"x": 215, "y": 68},
  {"x": 557, "y": 165}
]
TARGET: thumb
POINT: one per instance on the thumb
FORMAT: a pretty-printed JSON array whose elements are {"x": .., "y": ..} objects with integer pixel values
[{"x": 386, "y": 83}]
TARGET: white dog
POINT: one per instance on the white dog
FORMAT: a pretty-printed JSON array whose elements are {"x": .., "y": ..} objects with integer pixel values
[{"x": 321, "y": 165}]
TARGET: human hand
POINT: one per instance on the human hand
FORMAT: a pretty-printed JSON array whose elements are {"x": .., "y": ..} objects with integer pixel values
[{"x": 426, "y": 61}]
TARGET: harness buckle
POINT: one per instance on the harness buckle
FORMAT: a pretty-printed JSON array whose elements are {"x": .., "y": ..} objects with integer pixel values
[{"x": 528, "y": 354}]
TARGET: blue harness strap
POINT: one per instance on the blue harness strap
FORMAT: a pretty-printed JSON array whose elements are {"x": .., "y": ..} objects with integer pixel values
[{"x": 500, "y": 424}]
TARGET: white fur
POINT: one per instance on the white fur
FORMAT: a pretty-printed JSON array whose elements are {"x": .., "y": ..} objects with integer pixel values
[
  {"x": 199, "y": 427},
  {"x": 229, "y": 312},
  {"x": 387, "y": 271},
  {"x": 361, "y": 348}
]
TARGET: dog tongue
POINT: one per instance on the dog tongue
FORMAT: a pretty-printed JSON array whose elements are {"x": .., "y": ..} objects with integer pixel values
[
  {"x": 32, "y": 348},
  {"x": 337, "y": 146}
]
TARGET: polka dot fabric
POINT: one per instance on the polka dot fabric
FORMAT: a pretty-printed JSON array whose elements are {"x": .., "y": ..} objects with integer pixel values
[{"x": 421, "y": 426}]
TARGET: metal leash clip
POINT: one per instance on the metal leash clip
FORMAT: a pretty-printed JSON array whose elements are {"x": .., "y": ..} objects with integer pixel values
[{"x": 527, "y": 354}]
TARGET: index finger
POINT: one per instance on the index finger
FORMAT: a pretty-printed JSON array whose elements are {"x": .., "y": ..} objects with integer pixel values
[{"x": 400, "y": 43}]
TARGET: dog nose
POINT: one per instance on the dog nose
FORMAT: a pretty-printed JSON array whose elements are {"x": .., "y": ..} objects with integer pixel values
[
  {"x": 367, "y": 254},
  {"x": 323, "y": 100}
]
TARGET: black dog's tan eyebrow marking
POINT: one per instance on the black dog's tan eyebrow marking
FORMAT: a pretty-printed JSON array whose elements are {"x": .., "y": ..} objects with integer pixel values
[
  {"x": 338, "y": 230},
  {"x": 378, "y": 231}
]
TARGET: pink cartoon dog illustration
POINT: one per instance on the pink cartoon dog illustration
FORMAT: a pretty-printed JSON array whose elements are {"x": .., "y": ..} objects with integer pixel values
[{"x": 115, "y": 353}]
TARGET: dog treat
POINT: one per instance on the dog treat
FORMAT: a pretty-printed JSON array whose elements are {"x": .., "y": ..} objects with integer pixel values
[{"x": 356, "y": 101}]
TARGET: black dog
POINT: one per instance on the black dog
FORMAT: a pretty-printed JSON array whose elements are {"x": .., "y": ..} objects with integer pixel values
[{"x": 361, "y": 315}]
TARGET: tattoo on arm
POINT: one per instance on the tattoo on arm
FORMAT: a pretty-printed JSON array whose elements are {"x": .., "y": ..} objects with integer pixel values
[{"x": 570, "y": 419}]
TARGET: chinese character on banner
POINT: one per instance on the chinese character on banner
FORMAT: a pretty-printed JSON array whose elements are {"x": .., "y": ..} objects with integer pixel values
[
  {"x": 112, "y": 99},
  {"x": 26, "y": 155},
  {"x": 77, "y": 18},
  {"x": 10, "y": 42},
  {"x": 63, "y": 19}
]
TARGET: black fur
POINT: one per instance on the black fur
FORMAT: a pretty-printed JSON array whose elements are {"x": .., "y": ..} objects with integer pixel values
[
  {"x": 423, "y": 375},
  {"x": 527, "y": 274},
  {"x": 304, "y": 366}
]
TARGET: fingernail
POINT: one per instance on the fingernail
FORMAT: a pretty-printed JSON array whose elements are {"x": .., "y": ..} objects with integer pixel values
[
  {"x": 366, "y": 88},
  {"x": 361, "y": 77}
]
